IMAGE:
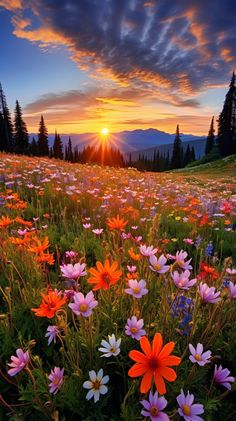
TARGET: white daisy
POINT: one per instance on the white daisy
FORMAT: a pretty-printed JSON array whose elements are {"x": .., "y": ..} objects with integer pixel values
[
  {"x": 96, "y": 385},
  {"x": 112, "y": 347}
]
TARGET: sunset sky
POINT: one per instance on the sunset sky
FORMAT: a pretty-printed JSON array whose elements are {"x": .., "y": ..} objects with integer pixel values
[{"x": 123, "y": 64}]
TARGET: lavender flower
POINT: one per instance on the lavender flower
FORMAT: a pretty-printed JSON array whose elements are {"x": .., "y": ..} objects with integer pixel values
[
  {"x": 208, "y": 295},
  {"x": 154, "y": 406},
  {"x": 182, "y": 281},
  {"x": 73, "y": 271},
  {"x": 187, "y": 409},
  {"x": 198, "y": 356},
  {"x": 232, "y": 290},
  {"x": 134, "y": 329},
  {"x": 136, "y": 288},
  {"x": 56, "y": 378},
  {"x": 158, "y": 265},
  {"x": 52, "y": 333},
  {"x": 147, "y": 251},
  {"x": 83, "y": 305},
  {"x": 18, "y": 363},
  {"x": 222, "y": 377},
  {"x": 209, "y": 250},
  {"x": 180, "y": 260}
]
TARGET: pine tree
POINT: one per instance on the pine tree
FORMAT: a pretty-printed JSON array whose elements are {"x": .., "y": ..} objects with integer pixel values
[
  {"x": 43, "y": 149},
  {"x": 57, "y": 147},
  {"x": 21, "y": 138},
  {"x": 193, "y": 156},
  {"x": 176, "y": 160},
  {"x": 187, "y": 156},
  {"x": 70, "y": 155},
  {"x": 227, "y": 121},
  {"x": 6, "y": 126},
  {"x": 33, "y": 147},
  {"x": 210, "y": 138}
]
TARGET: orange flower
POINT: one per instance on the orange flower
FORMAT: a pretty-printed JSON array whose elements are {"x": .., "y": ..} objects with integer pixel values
[
  {"x": 132, "y": 275},
  {"x": 51, "y": 303},
  {"x": 134, "y": 256},
  {"x": 116, "y": 223},
  {"x": 5, "y": 221},
  {"x": 154, "y": 362},
  {"x": 40, "y": 247},
  {"x": 23, "y": 222},
  {"x": 46, "y": 258},
  {"x": 105, "y": 275}
]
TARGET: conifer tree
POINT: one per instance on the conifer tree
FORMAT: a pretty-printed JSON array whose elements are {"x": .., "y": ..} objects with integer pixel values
[
  {"x": 210, "y": 138},
  {"x": 43, "y": 149},
  {"x": 187, "y": 156},
  {"x": 177, "y": 161},
  {"x": 57, "y": 147},
  {"x": 193, "y": 156},
  {"x": 69, "y": 151},
  {"x": 21, "y": 138},
  {"x": 6, "y": 126},
  {"x": 33, "y": 147},
  {"x": 227, "y": 121}
]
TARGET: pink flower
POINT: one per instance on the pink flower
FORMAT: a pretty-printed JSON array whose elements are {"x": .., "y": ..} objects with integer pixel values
[
  {"x": 208, "y": 295},
  {"x": 71, "y": 254},
  {"x": 154, "y": 406},
  {"x": 73, "y": 271},
  {"x": 83, "y": 305},
  {"x": 87, "y": 226},
  {"x": 231, "y": 271},
  {"x": 188, "y": 241},
  {"x": 98, "y": 231},
  {"x": 221, "y": 376},
  {"x": 182, "y": 281},
  {"x": 232, "y": 290},
  {"x": 158, "y": 265},
  {"x": 136, "y": 288},
  {"x": 18, "y": 363},
  {"x": 198, "y": 356},
  {"x": 134, "y": 329},
  {"x": 56, "y": 378},
  {"x": 187, "y": 409},
  {"x": 131, "y": 268},
  {"x": 147, "y": 251},
  {"x": 180, "y": 260}
]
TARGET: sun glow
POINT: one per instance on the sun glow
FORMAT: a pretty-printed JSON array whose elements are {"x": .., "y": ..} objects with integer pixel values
[{"x": 104, "y": 131}]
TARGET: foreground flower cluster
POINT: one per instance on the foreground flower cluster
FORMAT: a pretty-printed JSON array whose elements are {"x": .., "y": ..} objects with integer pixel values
[{"x": 118, "y": 294}]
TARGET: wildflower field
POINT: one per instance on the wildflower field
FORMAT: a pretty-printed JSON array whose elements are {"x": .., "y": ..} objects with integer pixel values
[{"x": 117, "y": 293}]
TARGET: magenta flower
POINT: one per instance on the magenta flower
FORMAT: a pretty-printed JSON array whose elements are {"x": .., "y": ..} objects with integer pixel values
[
  {"x": 83, "y": 305},
  {"x": 131, "y": 268},
  {"x": 182, "y": 281},
  {"x": 208, "y": 294},
  {"x": 18, "y": 363},
  {"x": 87, "y": 225},
  {"x": 188, "y": 241},
  {"x": 73, "y": 271},
  {"x": 134, "y": 327},
  {"x": 158, "y": 265},
  {"x": 198, "y": 356},
  {"x": 180, "y": 260},
  {"x": 52, "y": 333},
  {"x": 71, "y": 254},
  {"x": 147, "y": 251},
  {"x": 222, "y": 377},
  {"x": 56, "y": 378},
  {"x": 136, "y": 288},
  {"x": 154, "y": 406},
  {"x": 232, "y": 290},
  {"x": 187, "y": 409}
]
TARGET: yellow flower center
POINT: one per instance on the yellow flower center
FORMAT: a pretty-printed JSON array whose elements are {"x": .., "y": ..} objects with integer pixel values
[
  {"x": 112, "y": 349},
  {"x": 133, "y": 330},
  {"x": 186, "y": 409},
  {"x": 197, "y": 357},
  {"x": 136, "y": 290},
  {"x": 181, "y": 263},
  {"x": 96, "y": 384},
  {"x": 56, "y": 381},
  {"x": 154, "y": 410},
  {"x": 157, "y": 267},
  {"x": 83, "y": 307}
]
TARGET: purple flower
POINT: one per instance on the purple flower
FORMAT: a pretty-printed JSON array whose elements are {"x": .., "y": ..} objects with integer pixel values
[
  {"x": 52, "y": 332},
  {"x": 147, "y": 251},
  {"x": 73, "y": 271},
  {"x": 198, "y": 356},
  {"x": 83, "y": 305},
  {"x": 134, "y": 329},
  {"x": 222, "y": 376},
  {"x": 18, "y": 363},
  {"x": 56, "y": 378},
  {"x": 71, "y": 254},
  {"x": 158, "y": 265},
  {"x": 180, "y": 260},
  {"x": 208, "y": 294},
  {"x": 154, "y": 406},
  {"x": 136, "y": 288},
  {"x": 187, "y": 409},
  {"x": 182, "y": 281},
  {"x": 232, "y": 290}
]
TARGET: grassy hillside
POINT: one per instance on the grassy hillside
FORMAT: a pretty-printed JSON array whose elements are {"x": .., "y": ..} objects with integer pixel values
[{"x": 221, "y": 168}]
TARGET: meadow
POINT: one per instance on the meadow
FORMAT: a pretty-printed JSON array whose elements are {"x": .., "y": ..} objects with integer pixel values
[{"x": 117, "y": 293}]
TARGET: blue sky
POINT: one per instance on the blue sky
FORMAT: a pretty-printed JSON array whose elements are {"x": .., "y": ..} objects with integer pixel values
[{"x": 125, "y": 64}]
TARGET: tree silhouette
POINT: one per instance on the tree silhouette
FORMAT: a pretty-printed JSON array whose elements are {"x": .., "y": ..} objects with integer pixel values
[
  {"x": 6, "y": 126},
  {"x": 21, "y": 138},
  {"x": 57, "y": 147},
  {"x": 43, "y": 149},
  {"x": 210, "y": 138},
  {"x": 227, "y": 121},
  {"x": 177, "y": 156}
]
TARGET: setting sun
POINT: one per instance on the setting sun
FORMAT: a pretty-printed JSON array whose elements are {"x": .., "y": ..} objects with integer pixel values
[{"x": 105, "y": 131}]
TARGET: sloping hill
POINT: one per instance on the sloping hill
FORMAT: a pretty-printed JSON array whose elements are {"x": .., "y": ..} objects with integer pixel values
[{"x": 225, "y": 167}]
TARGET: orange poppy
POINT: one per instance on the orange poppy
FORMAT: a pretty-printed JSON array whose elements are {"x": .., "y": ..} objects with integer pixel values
[
  {"x": 134, "y": 256},
  {"x": 154, "y": 362},
  {"x": 116, "y": 223},
  {"x": 51, "y": 303},
  {"x": 105, "y": 275}
]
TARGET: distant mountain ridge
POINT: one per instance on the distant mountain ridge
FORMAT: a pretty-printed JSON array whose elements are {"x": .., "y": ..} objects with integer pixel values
[{"x": 132, "y": 141}]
